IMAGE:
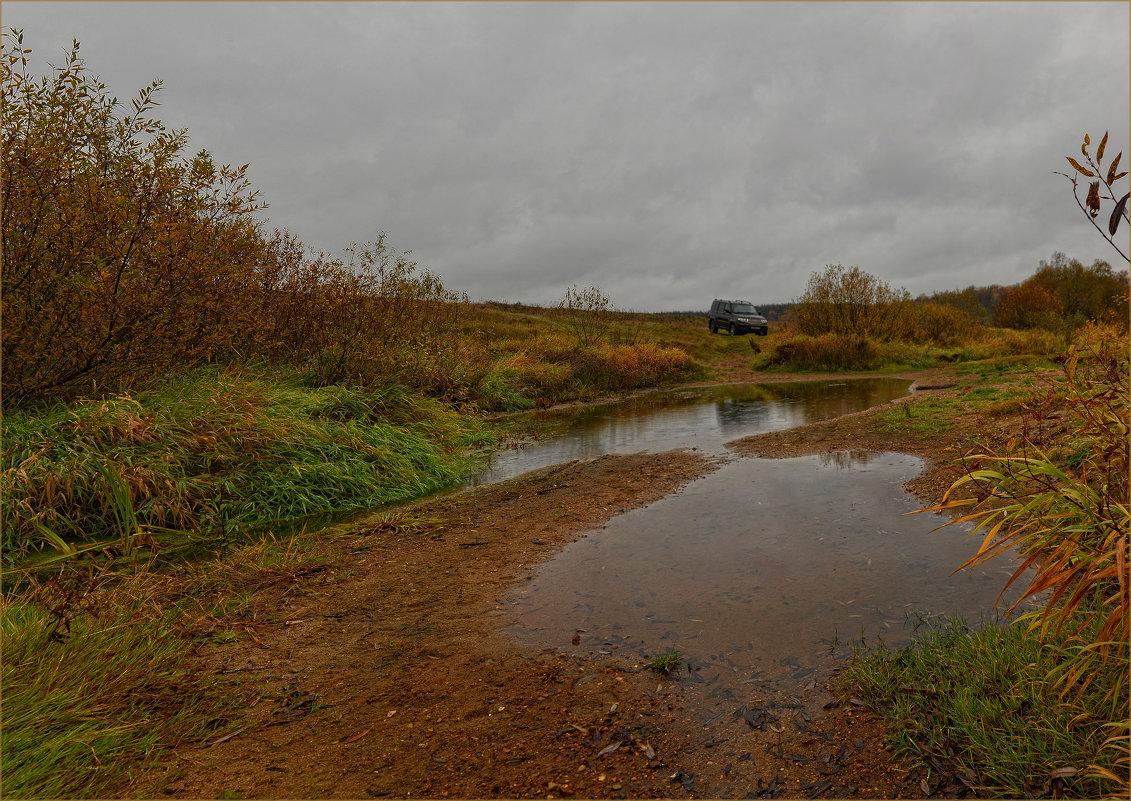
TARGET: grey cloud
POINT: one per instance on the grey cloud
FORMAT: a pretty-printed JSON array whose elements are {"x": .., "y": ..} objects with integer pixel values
[{"x": 666, "y": 151}]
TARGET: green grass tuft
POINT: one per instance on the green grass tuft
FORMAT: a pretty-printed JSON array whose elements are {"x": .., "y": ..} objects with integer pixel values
[
  {"x": 223, "y": 449},
  {"x": 79, "y": 713},
  {"x": 667, "y": 662},
  {"x": 982, "y": 703}
]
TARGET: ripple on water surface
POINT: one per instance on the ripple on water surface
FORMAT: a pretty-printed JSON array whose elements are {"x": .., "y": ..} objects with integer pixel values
[{"x": 759, "y": 567}]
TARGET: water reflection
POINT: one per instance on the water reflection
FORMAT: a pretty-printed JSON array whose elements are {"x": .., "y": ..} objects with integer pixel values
[
  {"x": 704, "y": 419},
  {"x": 847, "y": 460},
  {"x": 757, "y": 569}
]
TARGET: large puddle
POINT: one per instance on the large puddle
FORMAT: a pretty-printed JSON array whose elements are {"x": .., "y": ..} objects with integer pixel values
[
  {"x": 763, "y": 572},
  {"x": 702, "y": 418}
]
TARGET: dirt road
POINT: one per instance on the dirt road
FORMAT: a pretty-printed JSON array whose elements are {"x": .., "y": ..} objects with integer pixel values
[{"x": 388, "y": 676}]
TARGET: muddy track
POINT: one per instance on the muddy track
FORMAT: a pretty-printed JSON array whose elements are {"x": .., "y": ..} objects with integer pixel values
[{"x": 387, "y": 675}]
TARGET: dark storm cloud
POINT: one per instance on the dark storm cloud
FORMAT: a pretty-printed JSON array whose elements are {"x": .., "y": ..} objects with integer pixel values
[{"x": 668, "y": 152}]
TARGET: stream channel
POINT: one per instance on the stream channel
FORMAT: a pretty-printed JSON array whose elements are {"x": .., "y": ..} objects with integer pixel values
[{"x": 761, "y": 573}]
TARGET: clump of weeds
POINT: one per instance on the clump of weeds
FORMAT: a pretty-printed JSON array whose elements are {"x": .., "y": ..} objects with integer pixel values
[{"x": 667, "y": 662}]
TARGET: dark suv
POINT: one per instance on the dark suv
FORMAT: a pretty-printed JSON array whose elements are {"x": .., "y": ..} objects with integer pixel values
[{"x": 738, "y": 317}]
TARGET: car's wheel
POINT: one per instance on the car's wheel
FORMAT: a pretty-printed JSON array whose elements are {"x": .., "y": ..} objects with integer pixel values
[
  {"x": 714, "y": 328},
  {"x": 733, "y": 330},
  {"x": 763, "y": 332}
]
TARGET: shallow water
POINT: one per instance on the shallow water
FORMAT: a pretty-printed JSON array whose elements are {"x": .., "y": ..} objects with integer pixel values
[
  {"x": 703, "y": 419},
  {"x": 761, "y": 572}
]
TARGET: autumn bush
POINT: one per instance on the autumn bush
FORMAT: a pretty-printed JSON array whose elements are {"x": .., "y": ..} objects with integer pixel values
[
  {"x": 831, "y": 353},
  {"x": 969, "y": 301},
  {"x": 1029, "y": 305},
  {"x": 618, "y": 368},
  {"x": 122, "y": 255},
  {"x": 852, "y": 303},
  {"x": 1063, "y": 295},
  {"x": 377, "y": 317},
  {"x": 553, "y": 369},
  {"x": 539, "y": 377},
  {"x": 941, "y": 324}
]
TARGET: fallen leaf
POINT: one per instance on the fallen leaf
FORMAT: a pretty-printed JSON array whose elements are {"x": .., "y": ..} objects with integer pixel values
[
  {"x": 357, "y": 737},
  {"x": 608, "y": 749},
  {"x": 225, "y": 738}
]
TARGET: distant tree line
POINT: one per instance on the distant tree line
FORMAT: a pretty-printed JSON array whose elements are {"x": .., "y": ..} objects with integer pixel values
[{"x": 1061, "y": 294}]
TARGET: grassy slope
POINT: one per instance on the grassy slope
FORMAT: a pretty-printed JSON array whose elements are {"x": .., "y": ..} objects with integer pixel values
[{"x": 214, "y": 450}]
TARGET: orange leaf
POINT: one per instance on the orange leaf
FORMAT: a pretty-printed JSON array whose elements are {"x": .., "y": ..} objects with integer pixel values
[
  {"x": 1100, "y": 152},
  {"x": 357, "y": 737},
  {"x": 1080, "y": 169},
  {"x": 1114, "y": 165},
  {"x": 1093, "y": 201}
]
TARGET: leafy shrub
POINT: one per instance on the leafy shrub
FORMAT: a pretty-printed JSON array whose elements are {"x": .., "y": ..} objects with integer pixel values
[
  {"x": 942, "y": 324},
  {"x": 378, "y": 317},
  {"x": 123, "y": 258},
  {"x": 1070, "y": 526},
  {"x": 829, "y": 353},
  {"x": 853, "y": 303},
  {"x": 121, "y": 254},
  {"x": 538, "y": 375}
]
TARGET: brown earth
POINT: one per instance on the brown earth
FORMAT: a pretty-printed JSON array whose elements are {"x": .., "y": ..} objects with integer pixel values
[{"x": 386, "y": 673}]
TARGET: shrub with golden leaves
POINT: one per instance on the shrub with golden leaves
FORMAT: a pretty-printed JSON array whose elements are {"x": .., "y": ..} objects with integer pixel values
[
  {"x": 1070, "y": 526},
  {"x": 853, "y": 303},
  {"x": 121, "y": 254}
]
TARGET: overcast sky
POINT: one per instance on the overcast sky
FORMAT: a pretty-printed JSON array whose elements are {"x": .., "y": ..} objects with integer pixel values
[{"x": 668, "y": 152}]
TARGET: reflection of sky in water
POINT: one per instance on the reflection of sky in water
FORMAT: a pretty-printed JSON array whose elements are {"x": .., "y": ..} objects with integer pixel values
[
  {"x": 703, "y": 419},
  {"x": 757, "y": 567}
]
